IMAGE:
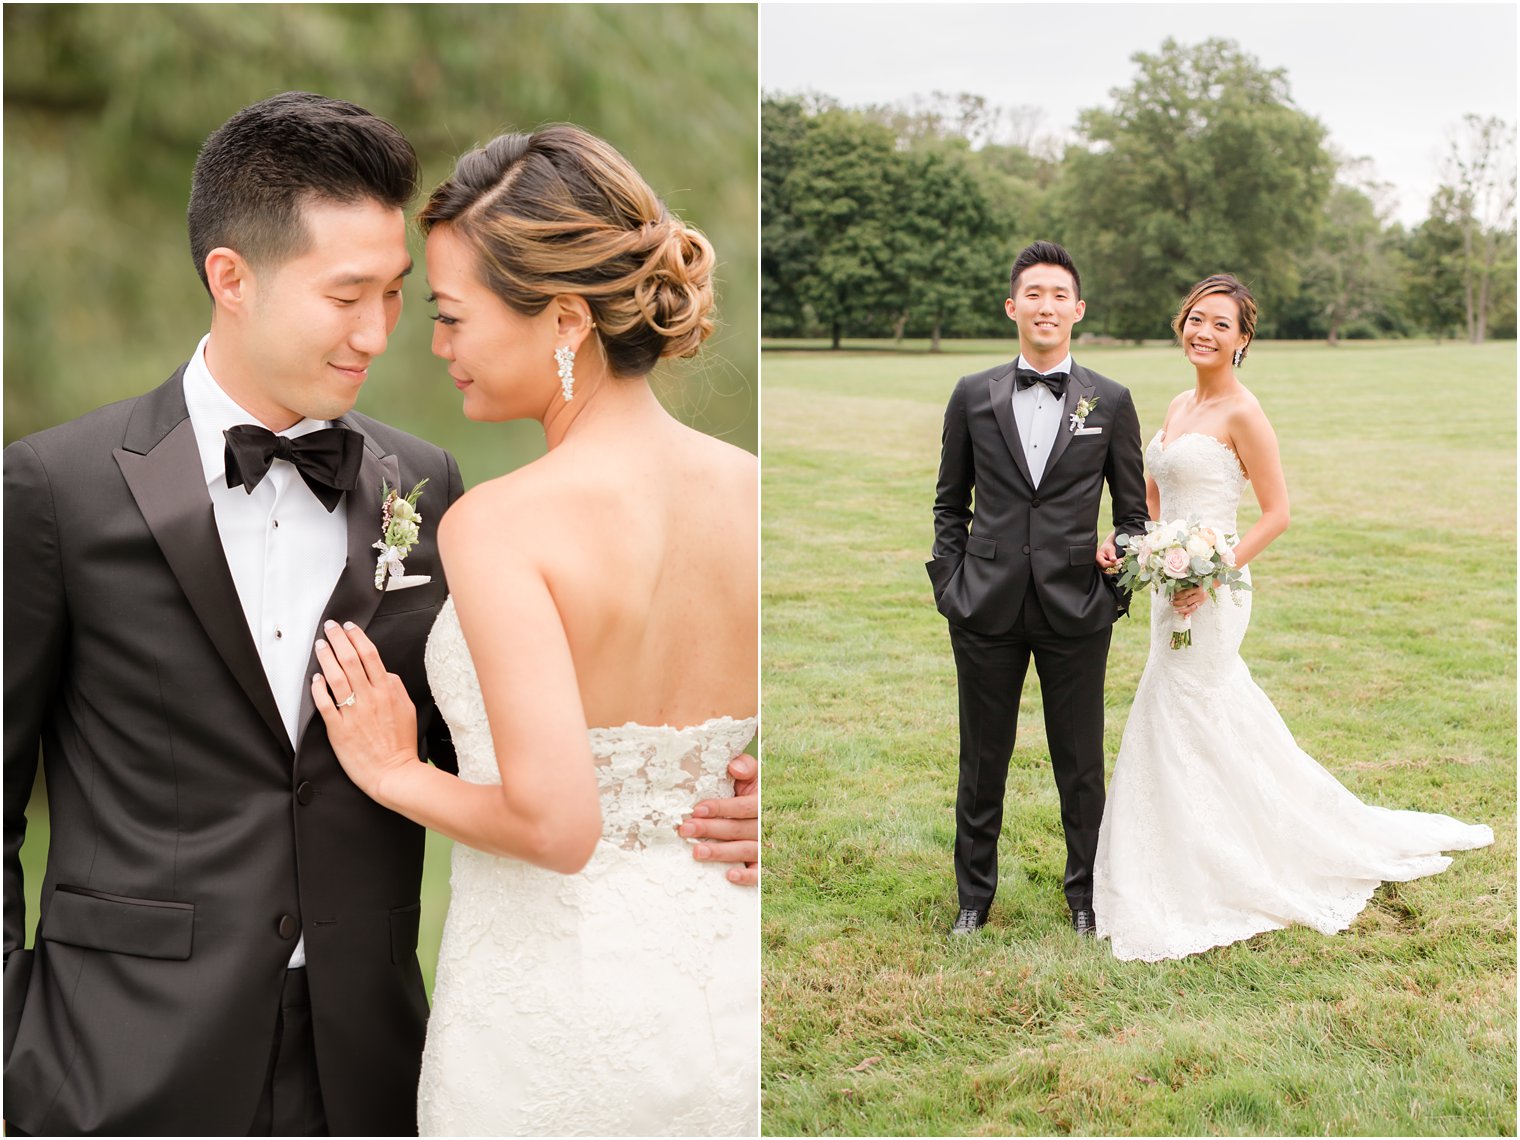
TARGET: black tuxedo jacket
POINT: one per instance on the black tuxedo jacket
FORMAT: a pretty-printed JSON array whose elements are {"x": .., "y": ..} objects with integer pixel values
[
  {"x": 189, "y": 842},
  {"x": 985, "y": 557}
]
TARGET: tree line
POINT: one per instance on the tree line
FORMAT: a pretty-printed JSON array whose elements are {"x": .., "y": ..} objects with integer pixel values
[{"x": 902, "y": 220}]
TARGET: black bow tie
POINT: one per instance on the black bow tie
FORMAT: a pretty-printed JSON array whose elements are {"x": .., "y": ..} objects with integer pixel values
[
  {"x": 328, "y": 459},
  {"x": 1055, "y": 381}
]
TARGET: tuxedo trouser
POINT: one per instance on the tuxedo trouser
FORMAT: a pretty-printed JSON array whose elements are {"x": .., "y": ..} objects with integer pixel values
[
  {"x": 291, "y": 1104},
  {"x": 990, "y": 673}
]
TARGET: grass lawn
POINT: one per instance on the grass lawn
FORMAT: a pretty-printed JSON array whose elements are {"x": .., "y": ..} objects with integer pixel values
[{"x": 1384, "y": 631}]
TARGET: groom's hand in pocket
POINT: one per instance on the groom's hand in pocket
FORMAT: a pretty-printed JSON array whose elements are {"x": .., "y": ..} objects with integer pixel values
[{"x": 728, "y": 829}]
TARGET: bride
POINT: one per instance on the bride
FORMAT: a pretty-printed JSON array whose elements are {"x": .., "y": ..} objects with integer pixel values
[
  {"x": 1217, "y": 825},
  {"x": 596, "y": 662}
]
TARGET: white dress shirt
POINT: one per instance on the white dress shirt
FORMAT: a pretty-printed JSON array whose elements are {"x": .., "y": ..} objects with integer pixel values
[
  {"x": 284, "y": 549},
  {"x": 1037, "y": 413}
]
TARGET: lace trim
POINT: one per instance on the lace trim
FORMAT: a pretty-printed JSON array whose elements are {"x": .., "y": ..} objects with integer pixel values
[
  {"x": 1164, "y": 446},
  {"x": 649, "y": 776}
]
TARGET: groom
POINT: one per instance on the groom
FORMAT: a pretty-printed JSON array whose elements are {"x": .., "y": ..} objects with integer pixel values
[
  {"x": 1017, "y": 576},
  {"x": 228, "y": 928}
]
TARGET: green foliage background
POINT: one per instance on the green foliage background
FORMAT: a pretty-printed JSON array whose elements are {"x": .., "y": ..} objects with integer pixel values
[{"x": 106, "y": 107}]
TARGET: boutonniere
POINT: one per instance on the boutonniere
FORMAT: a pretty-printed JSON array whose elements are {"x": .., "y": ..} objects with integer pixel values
[
  {"x": 400, "y": 528},
  {"x": 1084, "y": 409}
]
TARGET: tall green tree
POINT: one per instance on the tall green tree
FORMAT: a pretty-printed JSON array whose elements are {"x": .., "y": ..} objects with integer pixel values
[
  {"x": 1202, "y": 165},
  {"x": 947, "y": 243},
  {"x": 787, "y": 257},
  {"x": 843, "y": 193},
  {"x": 1479, "y": 172},
  {"x": 1433, "y": 289},
  {"x": 1351, "y": 274}
]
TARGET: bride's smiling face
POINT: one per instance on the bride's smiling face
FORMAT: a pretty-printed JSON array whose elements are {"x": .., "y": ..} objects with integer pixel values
[
  {"x": 502, "y": 361},
  {"x": 1211, "y": 331}
]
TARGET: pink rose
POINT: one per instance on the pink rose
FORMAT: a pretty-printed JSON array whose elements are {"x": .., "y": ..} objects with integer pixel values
[{"x": 1177, "y": 563}]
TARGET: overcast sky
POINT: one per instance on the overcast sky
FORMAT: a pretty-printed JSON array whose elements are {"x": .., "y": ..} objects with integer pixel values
[{"x": 1388, "y": 81}]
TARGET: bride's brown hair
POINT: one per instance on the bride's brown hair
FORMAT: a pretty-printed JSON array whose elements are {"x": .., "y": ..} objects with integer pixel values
[
  {"x": 558, "y": 212},
  {"x": 1229, "y": 286}
]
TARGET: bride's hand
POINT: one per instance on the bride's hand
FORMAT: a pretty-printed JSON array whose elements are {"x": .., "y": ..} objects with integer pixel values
[
  {"x": 733, "y": 823},
  {"x": 1186, "y": 602},
  {"x": 370, "y": 720}
]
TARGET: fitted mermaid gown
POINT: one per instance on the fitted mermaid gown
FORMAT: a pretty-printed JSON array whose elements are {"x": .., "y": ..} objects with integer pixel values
[
  {"x": 1217, "y": 825},
  {"x": 621, "y": 1000}
]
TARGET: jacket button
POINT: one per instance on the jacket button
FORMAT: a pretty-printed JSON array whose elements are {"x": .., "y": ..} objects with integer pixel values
[
  {"x": 288, "y": 926},
  {"x": 305, "y": 793},
  {"x": 1034, "y": 503},
  {"x": 1026, "y": 549}
]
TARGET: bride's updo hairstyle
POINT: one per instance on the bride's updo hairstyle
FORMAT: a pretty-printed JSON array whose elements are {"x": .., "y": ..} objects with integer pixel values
[
  {"x": 1229, "y": 286},
  {"x": 559, "y": 212}
]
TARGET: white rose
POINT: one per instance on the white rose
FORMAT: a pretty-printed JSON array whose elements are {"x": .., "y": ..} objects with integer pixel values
[
  {"x": 401, "y": 509},
  {"x": 1199, "y": 547}
]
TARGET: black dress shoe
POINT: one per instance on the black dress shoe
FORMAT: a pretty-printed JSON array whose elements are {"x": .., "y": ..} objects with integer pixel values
[
  {"x": 1083, "y": 922},
  {"x": 970, "y": 920}
]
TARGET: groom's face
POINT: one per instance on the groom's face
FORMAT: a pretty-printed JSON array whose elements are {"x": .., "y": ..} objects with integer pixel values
[
  {"x": 1045, "y": 307},
  {"x": 317, "y": 320}
]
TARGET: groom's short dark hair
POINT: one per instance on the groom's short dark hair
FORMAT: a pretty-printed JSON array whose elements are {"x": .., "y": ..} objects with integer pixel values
[
  {"x": 1043, "y": 253},
  {"x": 259, "y": 168}
]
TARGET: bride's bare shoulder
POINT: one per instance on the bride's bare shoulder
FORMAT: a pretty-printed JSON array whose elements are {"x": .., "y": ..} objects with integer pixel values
[
  {"x": 727, "y": 461},
  {"x": 1246, "y": 413},
  {"x": 501, "y": 514}
]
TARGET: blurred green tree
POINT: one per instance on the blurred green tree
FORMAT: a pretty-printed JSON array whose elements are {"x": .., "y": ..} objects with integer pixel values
[{"x": 106, "y": 107}]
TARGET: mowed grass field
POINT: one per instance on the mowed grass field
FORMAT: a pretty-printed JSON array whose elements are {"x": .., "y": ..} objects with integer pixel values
[{"x": 1384, "y": 631}]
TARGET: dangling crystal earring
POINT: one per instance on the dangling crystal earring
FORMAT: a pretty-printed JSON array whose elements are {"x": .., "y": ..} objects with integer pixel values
[
  {"x": 1240, "y": 354},
  {"x": 564, "y": 356}
]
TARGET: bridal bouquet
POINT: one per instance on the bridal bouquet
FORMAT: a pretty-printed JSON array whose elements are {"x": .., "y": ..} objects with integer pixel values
[{"x": 1174, "y": 556}]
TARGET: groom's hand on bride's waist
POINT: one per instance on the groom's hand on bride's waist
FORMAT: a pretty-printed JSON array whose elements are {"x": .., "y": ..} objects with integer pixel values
[{"x": 728, "y": 829}]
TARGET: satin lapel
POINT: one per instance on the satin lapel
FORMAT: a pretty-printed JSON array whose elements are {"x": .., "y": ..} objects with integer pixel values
[
  {"x": 1079, "y": 389},
  {"x": 167, "y": 484},
  {"x": 355, "y": 598},
  {"x": 1000, "y": 388}
]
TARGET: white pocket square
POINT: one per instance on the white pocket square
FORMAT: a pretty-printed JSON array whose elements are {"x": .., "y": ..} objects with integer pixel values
[
  {"x": 1089, "y": 431},
  {"x": 406, "y": 581}
]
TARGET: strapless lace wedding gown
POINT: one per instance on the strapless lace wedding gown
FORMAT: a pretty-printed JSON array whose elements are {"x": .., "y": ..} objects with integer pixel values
[
  {"x": 622, "y": 1000},
  {"x": 1218, "y": 826}
]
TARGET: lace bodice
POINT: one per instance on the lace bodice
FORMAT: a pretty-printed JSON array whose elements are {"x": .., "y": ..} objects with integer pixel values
[
  {"x": 1199, "y": 477},
  {"x": 649, "y": 776}
]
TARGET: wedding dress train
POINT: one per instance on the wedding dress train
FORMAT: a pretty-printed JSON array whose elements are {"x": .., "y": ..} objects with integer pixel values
[
  {"x": 1217, "y": 825},
  {"x": 622, "y": 1000}
]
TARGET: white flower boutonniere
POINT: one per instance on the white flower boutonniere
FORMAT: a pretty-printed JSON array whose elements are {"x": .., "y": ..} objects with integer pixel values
[
  {"x": 400, "y": 528},
  {"x": 1084, "y": 409}
]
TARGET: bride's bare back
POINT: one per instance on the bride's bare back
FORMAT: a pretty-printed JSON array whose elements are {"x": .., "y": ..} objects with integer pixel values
[{"x": 646, "y": 538}]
